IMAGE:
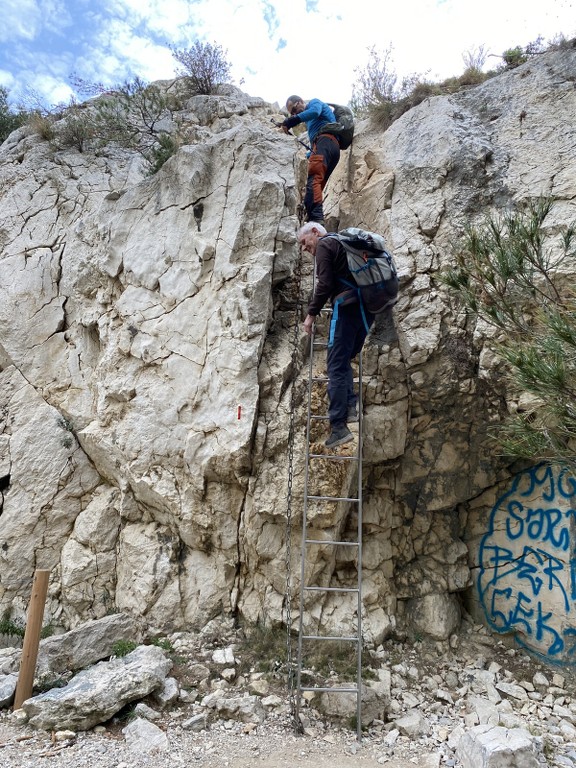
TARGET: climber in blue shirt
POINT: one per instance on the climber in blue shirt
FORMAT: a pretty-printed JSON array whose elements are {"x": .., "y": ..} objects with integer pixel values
[{"x": 325, "y": 149}]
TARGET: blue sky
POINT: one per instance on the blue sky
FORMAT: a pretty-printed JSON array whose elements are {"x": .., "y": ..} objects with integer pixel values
[{"x": 276, "y": 47}]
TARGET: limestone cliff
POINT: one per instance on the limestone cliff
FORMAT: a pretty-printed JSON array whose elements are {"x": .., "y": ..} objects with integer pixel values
[{"x": 148, "y": 369}]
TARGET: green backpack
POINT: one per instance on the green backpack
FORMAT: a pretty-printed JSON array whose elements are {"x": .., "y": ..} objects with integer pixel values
[{"x": 343, "y": 128}]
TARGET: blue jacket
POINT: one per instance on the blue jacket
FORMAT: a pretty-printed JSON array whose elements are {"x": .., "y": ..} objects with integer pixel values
[{"x": 316, "y": 114}]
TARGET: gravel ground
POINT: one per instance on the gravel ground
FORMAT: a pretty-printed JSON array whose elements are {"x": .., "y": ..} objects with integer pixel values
[
  {"x": 448, "y": 684},
  {"x": 272, "y": 745}
]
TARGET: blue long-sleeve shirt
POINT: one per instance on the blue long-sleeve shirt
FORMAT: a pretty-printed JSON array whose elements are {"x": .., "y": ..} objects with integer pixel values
[{"x": 316, "y": 114}]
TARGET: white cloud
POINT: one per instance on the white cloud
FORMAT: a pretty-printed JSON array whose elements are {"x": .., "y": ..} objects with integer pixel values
[
  {"x": 139, "y": 54},
  {"x": 55, "y": 15},
  {"x": 42, "y": 88},
  {"x": 162, "y": 18},
  {"x": 57, "y": 91},
  {"x": 21, "y": 19},
  {"x": 27, "y": 19},
  {"x": 6, "y": 79}
]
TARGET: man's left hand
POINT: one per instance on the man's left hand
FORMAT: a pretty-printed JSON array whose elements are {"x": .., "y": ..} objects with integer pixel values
[
  {"x": 290, "y": 122},
  {"x": 309, "y": 324}
]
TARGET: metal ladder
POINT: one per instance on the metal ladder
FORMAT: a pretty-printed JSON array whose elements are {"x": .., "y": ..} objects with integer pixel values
[{"x": 309, "y": 543}]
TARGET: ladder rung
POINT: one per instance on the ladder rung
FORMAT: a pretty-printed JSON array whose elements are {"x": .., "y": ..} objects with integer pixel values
[
  {"x": 321, "y": 344},
  {"x": 331, "y": 498},
  {"x": 330, "y": 589},
  {"x": 332, "y": 456},
  {"x": 325, "y": 378},
  {"x": 314, "y": 417},
  {"x": 335, "y": 543},
  {"x": 332, "y": 690},
  {"x": 330, "y": 637}
]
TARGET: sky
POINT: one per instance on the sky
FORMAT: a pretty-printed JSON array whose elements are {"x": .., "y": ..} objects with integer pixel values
[{"x": 314, "y": 48}]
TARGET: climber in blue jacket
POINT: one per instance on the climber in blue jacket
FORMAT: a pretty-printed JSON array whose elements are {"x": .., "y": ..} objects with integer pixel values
[{"x": 325, "y": 149}]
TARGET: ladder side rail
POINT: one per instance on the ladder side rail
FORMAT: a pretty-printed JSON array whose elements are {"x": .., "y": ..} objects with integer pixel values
[
  {"x": 305, "y": 513},
  {"x": 359, "y": 556},
  {"x": 304, "y": 535}
]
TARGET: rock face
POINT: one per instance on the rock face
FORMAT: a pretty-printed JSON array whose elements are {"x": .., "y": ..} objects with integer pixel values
[
  {"x": 72, "y": 651},
  {"x": 148, "y": 369},
  {"x": 497, "y": 747},
  {"x": 96, "y": 694}
]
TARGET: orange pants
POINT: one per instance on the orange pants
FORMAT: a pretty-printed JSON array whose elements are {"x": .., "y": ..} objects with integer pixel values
[{"x": 322, "y": 161}]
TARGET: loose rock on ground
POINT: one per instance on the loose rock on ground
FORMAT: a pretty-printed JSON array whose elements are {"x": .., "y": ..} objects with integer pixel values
[{"x": 446, "y": 704}]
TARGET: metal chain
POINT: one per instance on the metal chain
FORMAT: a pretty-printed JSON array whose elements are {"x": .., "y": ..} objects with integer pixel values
[{"x": 291, "y": 433}]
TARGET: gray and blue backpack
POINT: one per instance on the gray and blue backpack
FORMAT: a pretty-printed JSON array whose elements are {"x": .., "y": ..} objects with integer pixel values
[{"x": 373, "y": 269}]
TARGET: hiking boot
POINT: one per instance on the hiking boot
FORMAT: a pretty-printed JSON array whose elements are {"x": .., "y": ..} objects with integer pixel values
[
  {"x": 352, "y": 416},
  {"x": 339, "y": 437}
]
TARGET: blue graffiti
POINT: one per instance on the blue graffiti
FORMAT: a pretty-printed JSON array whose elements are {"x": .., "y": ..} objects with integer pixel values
[
  {"x": 538, "y": 524},
  {"x": 557, "y": 643},
  {"x": 528, "y": 564},
  {"x": 516, "y": 615}
]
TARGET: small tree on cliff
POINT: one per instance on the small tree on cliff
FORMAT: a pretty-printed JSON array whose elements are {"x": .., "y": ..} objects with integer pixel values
[
  {"x": 135, "y": 114},
  {"x": 205, "y": 65},
  {"x": 519, "y": 280}
]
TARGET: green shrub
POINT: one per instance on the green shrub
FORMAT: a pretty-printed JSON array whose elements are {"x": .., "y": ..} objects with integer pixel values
[
  {"x": 163, "y": 643},
  {"x": 513, "y": 57},
  {"x": 76, "y": 129},
  {"x": 472, "y": 76},
  {"x": 263, "y": 648},
  {"x": 385, "y": 112},
  {"x": 47, "y": 631},
  {"x": 166, "y": 146},
  {"x": 379, "y": 96},
  {"x": 42, "y": 124},
  {"x": 123, "y": 648},
  {"x": 10, "y": 627},
  {"x": 511, "y": 272},
  {"x": 131, "y": 117},
  {"x": 9, "y": 120},
  {"x": 131, "y": 112}
]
